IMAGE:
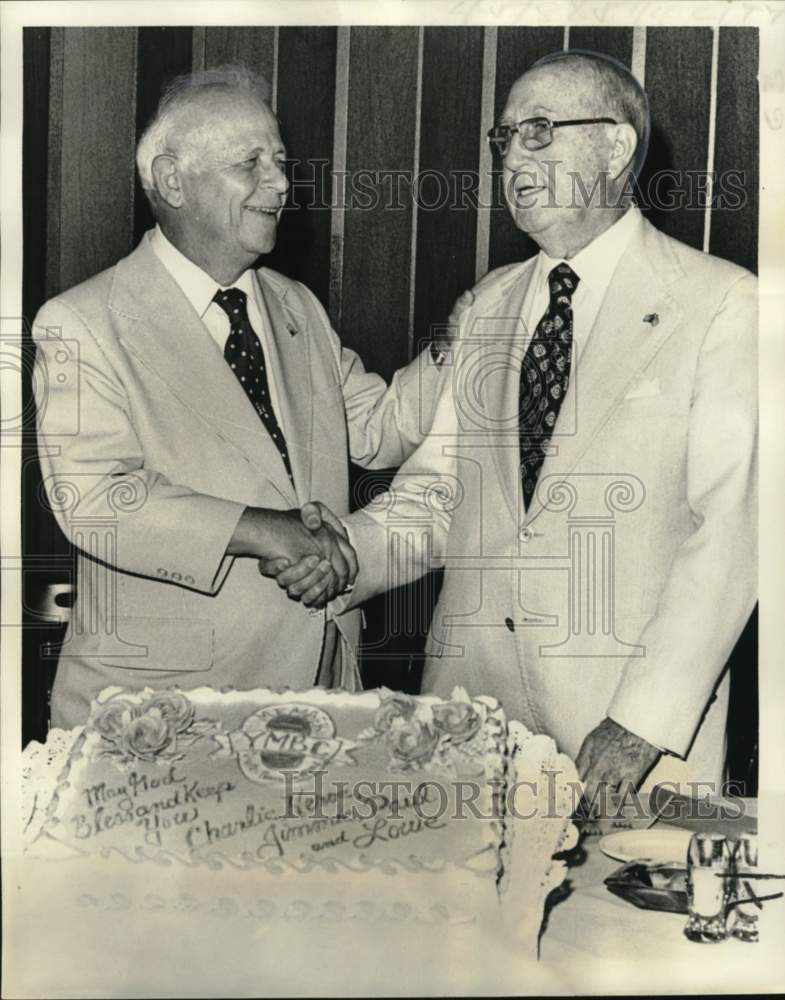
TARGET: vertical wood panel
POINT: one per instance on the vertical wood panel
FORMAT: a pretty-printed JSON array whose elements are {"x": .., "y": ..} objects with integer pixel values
[
  {"x": 381, "y": 128},
  {"x": 54, "y": 173},
  {"x": 450, "y": 139},
  {"x": 342, "y": 70},
  {"x": 97, "y": 150},
  {"x": 615, "y": 42},
  {"x": 162, "y": 54},
  {"x": 41, "y": 537},
  {"x": 734, "y": 217},
  {"x": 517, "y": 49},
  {"x": 678, "y": 63},
  {"x": 306, "y": 94},
  {"x": 251, "y": 47},
  {"x": 35, "y": 141}
]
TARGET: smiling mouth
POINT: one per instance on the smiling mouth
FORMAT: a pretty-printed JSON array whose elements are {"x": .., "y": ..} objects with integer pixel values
[
  {"x": 524, "y": 190},
  {"x": 261, "y": 210}
]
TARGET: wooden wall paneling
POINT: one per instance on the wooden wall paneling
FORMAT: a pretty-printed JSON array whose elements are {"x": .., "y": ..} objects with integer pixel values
[
  {"x": 54, "y": 174},
  {"x": 99, "y": 75},
  {"x": 306, "y": 112},
  {"x": 449, "y": 160},
  {"x": 40, "y": 534},
  {"x": 517, "y": 49},
  {"x": 41, "y": 538},
  {"x": 35, "y": 143},
  {"x": 382, "y": 118},
  {"x": 734, "y": 216},
  {"x": 615, "y": 42},
  {"x": 381, "y": 128},
  {"x": 251, "y": 47},
  {"x": 678, "y": 79},
  {"x": 163, "y": 53}
]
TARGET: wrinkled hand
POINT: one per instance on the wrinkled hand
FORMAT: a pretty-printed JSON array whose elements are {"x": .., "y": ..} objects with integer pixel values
[
  {"x": 325, "y": 561},
  {"x": 446, "y": 333},
  {"x": 303, "y": 580},
  {"x": 611, "y": 760}
]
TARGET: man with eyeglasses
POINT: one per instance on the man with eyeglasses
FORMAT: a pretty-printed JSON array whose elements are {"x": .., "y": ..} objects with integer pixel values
[
  {"x": 213, "y": 400},
  {"x": 589, "y": 482}
]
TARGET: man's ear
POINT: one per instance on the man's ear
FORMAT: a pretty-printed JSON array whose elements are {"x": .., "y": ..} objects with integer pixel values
[
  {"x": 625, "y": 142},
  {"x": 167, "y": 180}
]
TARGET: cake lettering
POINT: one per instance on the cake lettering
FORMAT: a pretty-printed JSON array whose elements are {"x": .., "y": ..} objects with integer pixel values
[
  {"x": 384, "y": 829},
  {"x": 116, "y": 805}
]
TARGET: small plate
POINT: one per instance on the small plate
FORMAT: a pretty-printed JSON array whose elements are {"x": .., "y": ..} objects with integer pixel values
[{"x": 651, "y": 847}]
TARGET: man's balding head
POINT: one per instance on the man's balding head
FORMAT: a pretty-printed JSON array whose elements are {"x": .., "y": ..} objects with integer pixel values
[
  {"x": 569, "y": 181},
  {"x": 608, "y": 88},
  {"x": 212, "y": 163},
  {"x": 190, "y": 105}
]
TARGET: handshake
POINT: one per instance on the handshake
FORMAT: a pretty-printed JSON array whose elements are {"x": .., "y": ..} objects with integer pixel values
[{"x": 311, "y": 557}]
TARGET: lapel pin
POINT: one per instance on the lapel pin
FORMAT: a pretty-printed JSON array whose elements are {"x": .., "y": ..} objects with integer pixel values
[
  {"x": 292, "y": 329},
  {"x": 652, "y": 318}
]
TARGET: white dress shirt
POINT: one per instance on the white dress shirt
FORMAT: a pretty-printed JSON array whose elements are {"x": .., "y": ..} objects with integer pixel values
[
  {"x": 594, "y": 265},
  {"x": 199, "y": 288}
]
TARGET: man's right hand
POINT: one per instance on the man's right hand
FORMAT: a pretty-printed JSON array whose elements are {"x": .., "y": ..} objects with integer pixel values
[
  {"x": 279, "y": 539},
  {"x": 299, "y": 580}
]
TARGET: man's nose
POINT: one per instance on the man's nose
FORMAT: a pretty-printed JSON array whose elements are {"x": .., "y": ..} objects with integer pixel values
[{"x": 274, "y": 175}]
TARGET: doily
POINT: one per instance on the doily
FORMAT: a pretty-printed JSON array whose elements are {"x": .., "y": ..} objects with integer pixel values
[
  {"x": 543, "y": 788},
  {"x": 42, "y": 766}
]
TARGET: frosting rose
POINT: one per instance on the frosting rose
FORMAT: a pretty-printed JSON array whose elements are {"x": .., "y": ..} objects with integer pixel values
[
  {"x": 149, "y": 735},
  {"x": 113, "y": 718},
  {"x": 412, "y": 741},
  {"x": 394, "y": 706},
  {"x": 458, "y": 719},
  {"x": 174, "y": 707}
]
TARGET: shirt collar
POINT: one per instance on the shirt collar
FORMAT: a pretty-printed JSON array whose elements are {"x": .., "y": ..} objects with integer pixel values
[
  {"x": 596, "y": 263},
  {"x": 197, "y": 286}
]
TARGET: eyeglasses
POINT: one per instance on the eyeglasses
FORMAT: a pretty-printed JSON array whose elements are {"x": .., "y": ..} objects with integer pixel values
[{"x": 535, "y": 133}]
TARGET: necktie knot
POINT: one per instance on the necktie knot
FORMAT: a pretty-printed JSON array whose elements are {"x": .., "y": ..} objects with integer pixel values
[
  {"x": 233, "y": 302},
  {"x": 562, "y": 282}
]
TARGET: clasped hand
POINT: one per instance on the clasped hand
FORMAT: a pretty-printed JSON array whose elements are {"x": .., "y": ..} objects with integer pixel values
[{"x": 313, "y": 560}]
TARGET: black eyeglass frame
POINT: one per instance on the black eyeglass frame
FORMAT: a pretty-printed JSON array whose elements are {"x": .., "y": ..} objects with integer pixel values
[{"x": 501, "y": 143}]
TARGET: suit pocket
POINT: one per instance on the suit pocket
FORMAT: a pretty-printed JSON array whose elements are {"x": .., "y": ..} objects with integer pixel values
[{"x": 162, "y": 644}]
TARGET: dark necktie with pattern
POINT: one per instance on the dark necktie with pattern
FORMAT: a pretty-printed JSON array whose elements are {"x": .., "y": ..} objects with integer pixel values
[
  {"x": 244, "y": 355},
  {"x": 545, "y": 376}
]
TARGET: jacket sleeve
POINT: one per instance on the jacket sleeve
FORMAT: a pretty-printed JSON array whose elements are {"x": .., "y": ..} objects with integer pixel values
[
  {"x": 712, "y": 585},
  {"x": 385, "y": 422},
  {"x": 95, "y": 473},
  {"x": 403, "y": 534}
]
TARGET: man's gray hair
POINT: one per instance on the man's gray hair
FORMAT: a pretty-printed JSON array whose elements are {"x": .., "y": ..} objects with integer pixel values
[
  {"x": 161, "y": 133},
  {"x": 618, "y": 93}
]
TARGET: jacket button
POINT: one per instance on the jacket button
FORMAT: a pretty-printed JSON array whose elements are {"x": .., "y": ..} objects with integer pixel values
[
  {"x": 510, "y": 624},
  {"x": 525, "y": 534}
]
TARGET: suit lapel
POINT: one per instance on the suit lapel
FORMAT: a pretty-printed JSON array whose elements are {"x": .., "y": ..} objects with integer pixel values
[
  {"x": 620, "y": 346},
  {"x": 288, "y": 361},
  {"x": 158, "y": 325},
  {"x": 509, "y": 306}
]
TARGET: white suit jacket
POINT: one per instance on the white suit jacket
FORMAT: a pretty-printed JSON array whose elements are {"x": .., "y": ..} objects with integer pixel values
[
  {"x": 623, "y": 588},
  {"x": 150, "y": 452}
]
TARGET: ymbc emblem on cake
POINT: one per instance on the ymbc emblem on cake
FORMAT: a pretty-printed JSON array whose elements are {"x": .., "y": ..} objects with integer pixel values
[{"x": 294, "y": 739}]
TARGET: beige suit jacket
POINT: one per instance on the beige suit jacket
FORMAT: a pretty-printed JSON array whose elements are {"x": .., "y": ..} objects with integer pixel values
[
  {"x": 150, "y": 452},
  {"x": 623, "y": 588}
]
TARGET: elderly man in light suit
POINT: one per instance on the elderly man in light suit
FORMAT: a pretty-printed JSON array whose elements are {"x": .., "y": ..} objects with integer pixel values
[
  {"x": 198, "y": 401},
  {"x": 594, "y": 446}
]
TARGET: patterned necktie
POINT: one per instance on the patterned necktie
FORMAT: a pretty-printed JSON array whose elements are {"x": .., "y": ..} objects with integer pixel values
[
  {"x": 244, "y": 355},
  {"x": 545, "y": 375}
]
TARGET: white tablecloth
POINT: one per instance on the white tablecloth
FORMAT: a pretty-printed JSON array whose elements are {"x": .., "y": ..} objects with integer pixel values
[{"x": 595, "y": 942}]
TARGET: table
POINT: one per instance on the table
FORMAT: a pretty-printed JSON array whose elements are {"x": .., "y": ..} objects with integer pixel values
[{"x": 595, "y": 942}]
